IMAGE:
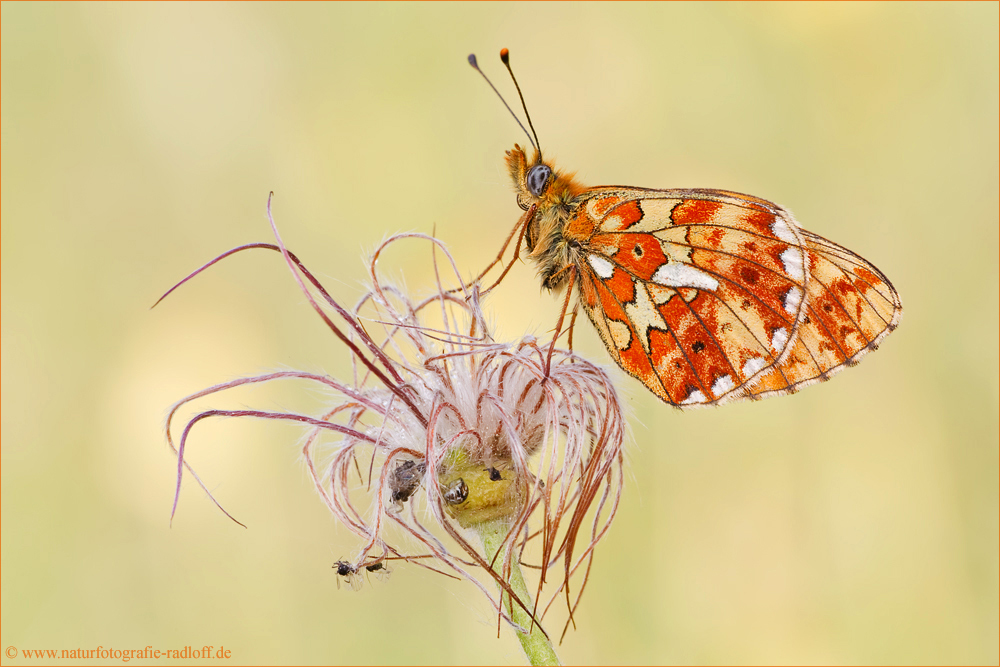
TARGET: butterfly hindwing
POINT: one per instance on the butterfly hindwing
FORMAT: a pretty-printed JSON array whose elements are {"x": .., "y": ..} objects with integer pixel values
[{"x": 852, "y": 306}]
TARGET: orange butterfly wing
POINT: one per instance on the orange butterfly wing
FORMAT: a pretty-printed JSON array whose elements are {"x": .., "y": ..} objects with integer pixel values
[{"x": 708, "y": 296}]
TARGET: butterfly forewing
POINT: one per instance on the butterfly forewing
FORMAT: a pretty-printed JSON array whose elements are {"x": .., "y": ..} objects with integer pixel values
[{"x": 708, "y": 296}]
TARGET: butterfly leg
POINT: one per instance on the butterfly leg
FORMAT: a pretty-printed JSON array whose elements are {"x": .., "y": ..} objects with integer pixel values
[
  {"x": 572, "y": 324},
  {"x": 523, "y": 225},
  {"x": 519, "y": 229},
  {"x": 562, "y": 313}
]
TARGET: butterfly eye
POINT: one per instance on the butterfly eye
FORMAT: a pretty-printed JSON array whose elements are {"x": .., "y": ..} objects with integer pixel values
[{"x": 538, "y": 178}]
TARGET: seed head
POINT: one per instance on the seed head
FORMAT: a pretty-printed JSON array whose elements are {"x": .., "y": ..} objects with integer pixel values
[{"x": 442, "y": 430}]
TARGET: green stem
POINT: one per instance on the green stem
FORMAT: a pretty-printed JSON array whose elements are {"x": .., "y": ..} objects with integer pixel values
[{"x": 536, "y": 645}]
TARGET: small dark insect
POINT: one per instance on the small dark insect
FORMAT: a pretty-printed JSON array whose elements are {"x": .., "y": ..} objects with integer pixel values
[
  {"x": 456, "y": 493},
  {"x": 379, "y": 569},
  {"x": 494, "y": 474},
  {"x": 405, "y": 479},
  {"x": 349, "y": 573}
]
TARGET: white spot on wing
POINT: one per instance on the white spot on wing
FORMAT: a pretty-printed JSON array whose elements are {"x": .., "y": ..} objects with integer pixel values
[
  {"x": 778, "y": 339},
  {"x": 722, "y": 385},
  {"x": 793, "y": 260},
  {"x": 676, "y": 274},
  {"x": 793, "y": 299},
  {"x": 694, "y": 397},
  {"x": 602, "y": 267},
  {"x": 752, "y": 366},
  {"x": 783, "y": 232}
]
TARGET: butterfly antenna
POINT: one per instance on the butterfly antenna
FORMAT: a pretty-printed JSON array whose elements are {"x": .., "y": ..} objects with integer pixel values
[
  {"x": 475, "y": 66},
  {"x": 505, "y": 57}
]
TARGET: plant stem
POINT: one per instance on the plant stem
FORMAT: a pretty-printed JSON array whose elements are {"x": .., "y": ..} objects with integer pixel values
[{"x": 536, "y": 645}]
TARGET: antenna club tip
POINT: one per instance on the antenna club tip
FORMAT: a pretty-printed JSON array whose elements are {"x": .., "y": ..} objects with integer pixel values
[
  {"x": 505, "y": 56},
  {"x": 472, "y": 60}
]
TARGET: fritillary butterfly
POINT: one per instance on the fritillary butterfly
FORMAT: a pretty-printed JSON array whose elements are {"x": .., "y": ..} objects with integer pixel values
[{"x": 705, "y": 296}]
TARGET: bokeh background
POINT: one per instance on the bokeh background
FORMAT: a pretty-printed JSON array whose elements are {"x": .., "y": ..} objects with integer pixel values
[{"x": 855, "y": 522}]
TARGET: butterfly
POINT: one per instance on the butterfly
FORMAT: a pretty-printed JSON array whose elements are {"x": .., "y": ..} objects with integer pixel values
[{"x": 705, "y": 296}]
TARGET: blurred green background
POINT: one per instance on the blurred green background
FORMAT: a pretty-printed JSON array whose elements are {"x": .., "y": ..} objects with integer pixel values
[{"x": 855, "y": 522}]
